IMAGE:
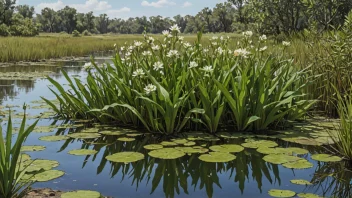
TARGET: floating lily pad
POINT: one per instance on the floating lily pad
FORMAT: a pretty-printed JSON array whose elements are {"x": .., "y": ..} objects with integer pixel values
[
  {"x": 126, "y": 139},
  {"x": 180, "y": 141},
  {"x": 44, "y": 129},
  {"x": 267, "y": 150},
  {"x": 166, "y": 143},
  {"x": 217, "y": 157},
  {"x": 281, "y": 193},
  {"x": 191, "y": 143},
  {"x": 280, "y": 158},
  {"x": 32, "y": 148},
  {"x": 38, "y": 165},
  {"x": 23, "y": 158},
  {"x": 300, "y": 164},
  {"x": 300, "y": 182},
  {"x": 69, "y": 126},
  {"x": 298, "y": 151},
  {"x": 54, "y": 138},
  {"x": 166, "y": 153},
  {"x": 83, "y": 152},
  {"x": 134, "y": 134},
  {"x": 81, "y": 194},
  {"x": 259, "y": 143},
  {"x": 125, "y": 157},
  {"x": 112, "y": 133},
  {"x": 190, "y": 150},
  {"x": 308, "y": 195},
  {"x": 153, "y": 146},
  {"x": 90, "y": 130},
  {"x": 84, "y": 135},
  {"x": 303, "y": 141},
  {"x": 227, "y": 148},
  {"x": 48, "y": 175},
  {"x": 326, "y": 158}
]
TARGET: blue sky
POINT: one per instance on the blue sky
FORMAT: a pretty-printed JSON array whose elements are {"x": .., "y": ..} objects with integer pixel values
[{"x": 127, "y": 8}]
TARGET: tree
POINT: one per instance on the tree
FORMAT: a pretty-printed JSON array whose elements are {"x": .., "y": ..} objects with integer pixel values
[
  {"x": 49, "y": 20},
  {"x": 25, "y": 11},
  {"x": 68, "y": 18},
  {"x": 102, "y": 23},
  {"x": 7, "y": 8},
  {"x": 223, "y": 14},
  {"x": 205, "y": 16}
]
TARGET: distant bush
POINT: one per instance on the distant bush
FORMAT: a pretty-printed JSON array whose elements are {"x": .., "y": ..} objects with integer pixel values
[
  {"x": 86, "y": 33},
  {"x": 280, "y": 38},
  {"x": 76, "y": 33},
  {"x": 4, "y": 30},
  {"x": 63, "y": 32}
]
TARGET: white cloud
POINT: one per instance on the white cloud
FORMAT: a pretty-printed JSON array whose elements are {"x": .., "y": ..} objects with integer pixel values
[
  {"x": 187, "y": 4},
  {"x": 89, "y": 5},
  {"x": 158, "y": 4},
  {"x": 116, "y": 13}
]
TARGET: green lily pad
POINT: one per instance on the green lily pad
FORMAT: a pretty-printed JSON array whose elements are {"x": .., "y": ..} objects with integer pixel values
[
  {"x": 298, "y": 151},
  {"x": 326, "y": 158},
  {"x": 217, "y": 157},
  {"x": 190, "y": 150},
  {"x": 32, "y": 148},
  {"x": 83, "y": 152},
  {"x": 227, "y": 148},
  {"x": 44, "y": 129},
  {"x": 90, "y": 130},
  {"x": 300, "y": 164},
  {"x": 153, "y": 146},
  {"x": 191, "y": 143},
  {"x": 125, "y": 157},
  {"x": 48, "y": 175},
  {"x": 267, "y": 150},
  {"x": 302, "y": 140},
  {"x": 166, "y": 153},
  {"x": 126, "y": 139},
  {"x": 308, "y": 195},
  {"x": 259, "y": 143},
  {"x": 38, "y": 165},
  {"x": 84, "y": 135},
  {"x": 300, "y": 182},
  {"x": 54, "y": 138},
  {"x": 112, "y": 133},
  {"x": 23, "y": 158},
  {"x": 180, "y": 141},
  {"x": 280, "y": 158},
  {"x": 166, "y": 143},
  {"x": 134, "y": 134},
  {"x": 281, "y": 193},
  {"x": 81, "y": 194}
]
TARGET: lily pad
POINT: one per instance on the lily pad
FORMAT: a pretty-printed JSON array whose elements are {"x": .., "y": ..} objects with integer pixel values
[
  {"x": 84, "y": 135},
  {"x": 300, "y": 182},
  {"x": 125, "y": 157},
  {"x": 83, "y": 152},
  {"x": 81, "y": 194},
  {"x": 134, "y": 134},
  {"x": 217, "y": 157},
  {"x": 190, "y": 150},
  {"x": 44, "y": 129},
  {"x": 308, "y": 195},
  {"x": 38, "y": 165},
  {"x": 326, "y": 158},
  {"x": 281, "y": 193},
  {"x": 153, "y": 146},
  {"x": 54, "y": 138},
  {"x": 280, "y": 158},
  {"x": 267, "y": 150},
  {"x": 180, "y": 141},
  {"x": 300, "y": 164},
  {"x": 303, "y": 141},
  {"x": 298, "y": 151},
  {"x": 90, "y": 130},
  {"x": 259, "y": 143},
  {"x": 126, "y": 139},
  {"x": 166, "y": 143},
  {"x": 48, "y": 175},
  {"x": 32, "y": 148},
  {"x": 112, "y": 133},
  {"x": 227, "y": 148},
  {"x": 166, "y": 153}
]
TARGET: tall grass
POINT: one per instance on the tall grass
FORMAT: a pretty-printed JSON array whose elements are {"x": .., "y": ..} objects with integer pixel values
[
  {"x": 170, "y": 85},
  {"x": 11, "y": 185}
]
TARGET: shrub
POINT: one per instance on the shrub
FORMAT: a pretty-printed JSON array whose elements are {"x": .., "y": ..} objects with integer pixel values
[
  {"x": 4, "y": 30},
  {"x": 75, "y": 33},
  {"x": 86, "y": 33},
  {"x": 170, "y": 86}
]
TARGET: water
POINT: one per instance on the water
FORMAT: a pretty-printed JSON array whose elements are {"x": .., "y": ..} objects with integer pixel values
[{"x": 247, "y": 176}]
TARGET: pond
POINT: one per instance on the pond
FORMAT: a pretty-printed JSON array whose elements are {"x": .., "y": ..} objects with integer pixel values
[{"x": 248, "y": 175}]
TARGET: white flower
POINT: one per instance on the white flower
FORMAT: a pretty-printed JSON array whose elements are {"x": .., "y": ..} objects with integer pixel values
[
  {"x": 286, "y": 44},
  {"x": 208, "y": 69},
  {"x": 172, "y": 53},
  {"x": 169, "y": 36},
  {"x": 221, "y": 38},
  {"x": 166, "y": 33},
  {"x": 138, "y": 72},
  {"x": 181, "y": 38},
  {"x": 205, "y": 50},
  {"x": 247, "y": 34},
  {"x": 128, "y": 54},
  {"x": 163, "y": 45},
  {"x": 130, "y": 48},
  {"x": 149, "y": 89},
  {"x": 155, "y": 47},
  {"x": 214, "y": 38},
  {"x": 187, "y": 45},
  {"x": 214, "y": 43},
  {"x": 88, "y": 66},
  {"x": 220, "y": 50},
  {"x": 122, "y": 49},
  {"x": 150, "y": 39},
  {"x": 115, "y": 45},
  {"x": 263, "y": 48},
  {"x": 241, "y": 52},
  {"x": 138, "y": 43},
  {"x": 158, "y": 65},
  {"x": 146, "y": 53},
  {"x": 193, "y": 64},
  {"x": 262, "y": 37},
  {"x": 230, "y": 51},
  {"x": 175, "y": 28}
]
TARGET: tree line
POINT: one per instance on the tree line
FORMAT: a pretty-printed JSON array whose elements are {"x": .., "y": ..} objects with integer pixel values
[{"x": 263, "y": 16}]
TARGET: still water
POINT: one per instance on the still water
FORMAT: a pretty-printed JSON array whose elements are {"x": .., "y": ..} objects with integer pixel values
[{"x": 246, "y": 176}]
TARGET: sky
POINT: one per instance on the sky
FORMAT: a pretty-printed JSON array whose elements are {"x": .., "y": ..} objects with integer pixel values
[{"x": 127, "y": 8}]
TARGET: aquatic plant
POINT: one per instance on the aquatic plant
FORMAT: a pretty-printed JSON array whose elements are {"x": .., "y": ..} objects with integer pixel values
[
  {"x": 11, "y": 185},
  {"x": 170, "y": 85}
]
